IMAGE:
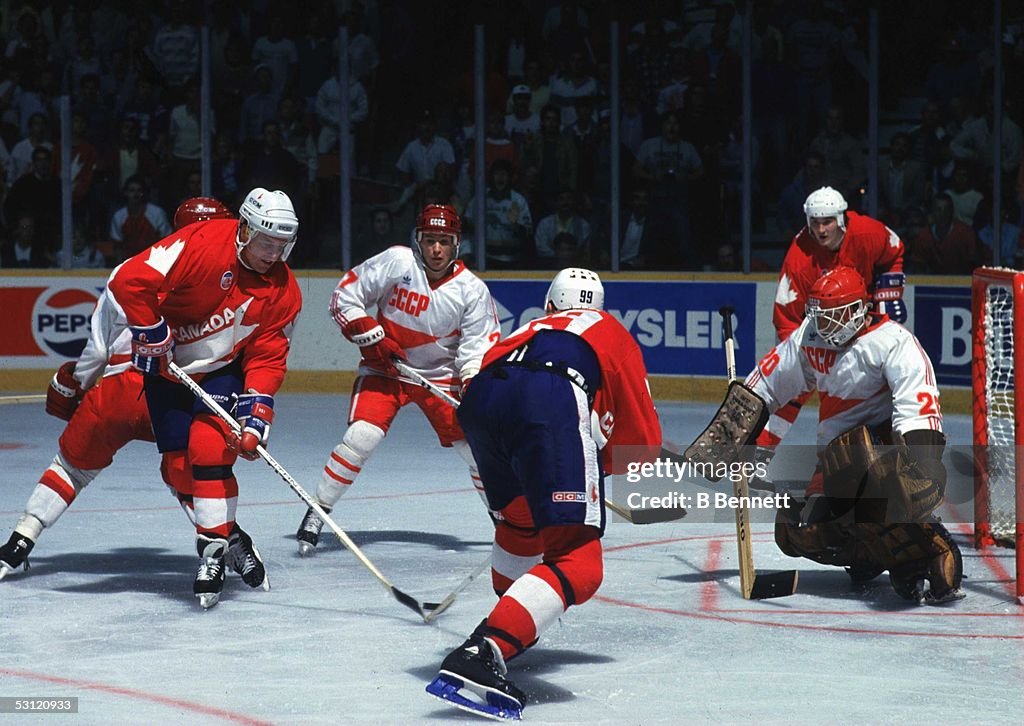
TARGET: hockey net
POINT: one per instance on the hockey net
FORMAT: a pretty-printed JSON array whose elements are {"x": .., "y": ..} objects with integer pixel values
[{"x": 997, "y": 302}]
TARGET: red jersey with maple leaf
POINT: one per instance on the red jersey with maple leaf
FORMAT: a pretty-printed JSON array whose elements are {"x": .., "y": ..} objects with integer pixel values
[
  {"x": 869, "y": 247},
  {"x": 623, "y": 413},
  {"x": 218, "y": 310}
]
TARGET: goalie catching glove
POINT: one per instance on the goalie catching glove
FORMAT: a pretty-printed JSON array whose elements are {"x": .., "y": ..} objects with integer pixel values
[
  {"x": 254, "y": 413},
  {"x": 377, "y": 348},
  {"x": 64, "y": 393},
  {"x": 739, "y": 420}
]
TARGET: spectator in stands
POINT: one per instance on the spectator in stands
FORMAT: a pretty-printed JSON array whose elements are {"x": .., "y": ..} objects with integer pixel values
[
  {"x": 84, "y": 159},
  {"x": 298, "y": 140},
  {"x": 21, "y": 154},
  {"x": 25, "y": 248},
  {"x": 902, "y": 181},
  {"x": 717, "y": 67},
  {"x": 442, "y": 189},
  {"x": 129, "y": 156},
  {"x": 84, "y": 61},
  {"x": 565, "y": 220},
  {"x": 328, "y": 110},
  {"x": 184, "y": 140},
  {"x": 233, "y": 81},
  {"x": 420, "y": 157},
  {"x": 926, "y": 137},
  {"x": 790, "y": 208},
  {"x": 38, "y": 193},
  {"x": 175, "y": 48},
  {"x": 225, "y": 170},
  {"x": 584, "y": 133},
  {"x": 84, "y": 254},
  {"x": 521, "y": 123},
  {"x": 667, "y": 164},
  {"x": 139, "y": 223},
  {"x": 653, "y": 64},
  {"x": 635, "y": 122},
  {"x": 964, "y": 194},
  {"x": 315, "y": 59},
  {"x": 946, "y": 246},
  {"x": 1009, "y": 238},
  {"x": 540, "y": 91},
  {"x": 258, "y": 107},
  {"x": 96, "y": 111},
  {"x": 144, "y": 105},
  {"x": 271, "y": 166},
  {"x": 844, "y": 160},
  {"x": 672, "y": 96},
  {"x": 497, "y": 145},
  {"x": 507, "y": 219},
  {"x": 278, "y": 53},
  {"x": 569, "y": 85},
  {"x": 382, "y": 233},
  {"x": 637, "y": 236},
  {"x": 362, "y": 50},
  {"x": 974, "y": 142},
  {"x": 553, "y": 155}
]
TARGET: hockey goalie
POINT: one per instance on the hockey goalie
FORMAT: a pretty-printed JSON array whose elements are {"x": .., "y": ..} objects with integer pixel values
[{"x": 869, "y": 505}]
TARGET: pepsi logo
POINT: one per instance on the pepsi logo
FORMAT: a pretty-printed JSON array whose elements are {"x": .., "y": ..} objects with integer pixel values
[{"x": 60, "y": 321}]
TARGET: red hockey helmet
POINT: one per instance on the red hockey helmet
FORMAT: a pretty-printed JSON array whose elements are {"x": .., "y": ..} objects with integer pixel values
[
  {"x": 200, "y": 209},
  {"x": 438, "y": 218},
  {"x": 837, "y": 305}
]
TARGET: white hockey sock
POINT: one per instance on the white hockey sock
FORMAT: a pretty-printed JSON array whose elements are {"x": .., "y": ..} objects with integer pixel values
[
  {"x": 57, "y": 488},
  {"x": 347, "y": 460},
  {"x": 29, "y": 526}
]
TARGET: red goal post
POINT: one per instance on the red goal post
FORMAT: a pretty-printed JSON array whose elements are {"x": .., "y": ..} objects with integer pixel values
[{"x": 997, "y": 310}]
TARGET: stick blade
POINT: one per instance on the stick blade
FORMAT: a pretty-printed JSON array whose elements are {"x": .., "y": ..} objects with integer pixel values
[
  {"x": 656, "y": 516},
  {"x": 774, "y": 584},
  {"x": 409, "y": 601}
]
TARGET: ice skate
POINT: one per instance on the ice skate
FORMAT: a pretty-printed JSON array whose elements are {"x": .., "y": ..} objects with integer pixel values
[
  {"x": 477, "y": 667},
  {"x": 309, "y": 532},
  {"x": 14, "y": 554},
  {"x": 210, "y": 577},
  {"x": 244, "y": 558}
]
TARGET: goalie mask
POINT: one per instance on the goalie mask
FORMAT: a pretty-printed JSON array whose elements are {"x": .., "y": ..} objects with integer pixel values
[
  {"x": 837, "y": 305},
  {"x": 267, "y": 221},
  {"x": 200, "y": 209},
  {"x": 826, "y": 203},
  {"x": 575, "y": 288},
  {"x": 437, "y": 220}
]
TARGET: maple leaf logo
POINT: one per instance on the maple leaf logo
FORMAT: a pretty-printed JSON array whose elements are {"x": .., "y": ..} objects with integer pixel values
[
  {"x": 785, "y": 294},
  {"x": 161, "y": 258}
]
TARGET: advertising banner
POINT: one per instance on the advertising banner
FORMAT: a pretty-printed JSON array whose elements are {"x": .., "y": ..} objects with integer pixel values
[{"x": 942, "y": 322}]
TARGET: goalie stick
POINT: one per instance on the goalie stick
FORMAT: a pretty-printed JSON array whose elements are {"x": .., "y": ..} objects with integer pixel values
[
  {"x": 420, "y": 608},
  {"x": 633, "y": 516},
  {"x": 753, "y": 586}
]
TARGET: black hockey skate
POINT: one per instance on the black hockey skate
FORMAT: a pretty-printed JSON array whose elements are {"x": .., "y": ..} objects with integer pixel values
[
  {"x": 14, "y": 554},
  {"x": 476, "y": 666},
  {"x": 244, "y": 558},
  {"x": 210, "y": 577},
  {"x": 309, "y": 532}
]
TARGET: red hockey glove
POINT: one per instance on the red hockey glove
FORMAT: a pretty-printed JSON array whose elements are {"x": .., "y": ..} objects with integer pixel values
[
  {"x": 254, "y": 412},
  {"x": 152, "y": 348},
  {"x": 377, "y": 348},
  {"x": 64, "y": 393}
]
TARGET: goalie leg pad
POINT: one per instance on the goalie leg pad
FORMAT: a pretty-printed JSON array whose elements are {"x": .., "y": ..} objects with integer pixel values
[
  {"x": 347, "y": 460},
  {"x": 922, "y": 552},
  {"x": 740, "y": 418}
]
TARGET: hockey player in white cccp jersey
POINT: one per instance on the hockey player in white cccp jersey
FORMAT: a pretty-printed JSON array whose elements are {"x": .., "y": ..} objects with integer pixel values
[
  {"x": 868, "y": 507},
  {"x": 431, "y": 312}
]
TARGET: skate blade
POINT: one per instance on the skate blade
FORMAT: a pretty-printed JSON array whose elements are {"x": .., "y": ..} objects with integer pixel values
[
  {"x": 498, "y": 707},
  {"x": 306, "y": 549},
  {"x": 208, "y": 599},
  {"x": 4, "y": 570}
]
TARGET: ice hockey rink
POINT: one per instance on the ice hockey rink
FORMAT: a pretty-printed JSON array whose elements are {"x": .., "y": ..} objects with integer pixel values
[{"x": 106, "y": 613}]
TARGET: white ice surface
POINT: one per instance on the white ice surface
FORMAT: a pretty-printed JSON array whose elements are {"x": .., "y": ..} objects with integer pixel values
[{"x": 106, "y": 612}]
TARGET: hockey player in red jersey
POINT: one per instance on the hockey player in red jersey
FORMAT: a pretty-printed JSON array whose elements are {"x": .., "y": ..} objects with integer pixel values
[
  {"x": 541, "y": 418},
  {"x": 218, "y": 299},
  {"x": 833, "y": 236},
  {"x": 100, "y": 396},
  {"x": 866, "y": 510},
  {"x": 431, "y": 312}
]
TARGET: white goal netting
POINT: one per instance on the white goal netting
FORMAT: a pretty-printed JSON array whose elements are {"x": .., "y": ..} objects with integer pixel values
[{"x": 1000, "y": 410}]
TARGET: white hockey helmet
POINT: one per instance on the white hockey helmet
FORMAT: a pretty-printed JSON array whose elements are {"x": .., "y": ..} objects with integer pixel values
[
  {"x": 269, "y": 214},
  {"x": 826, "y": 202},
  {"x": 575, "y": 288}
]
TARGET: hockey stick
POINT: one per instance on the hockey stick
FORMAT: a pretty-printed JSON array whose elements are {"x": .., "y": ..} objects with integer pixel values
[
  {"x": 28, "y": 398},
  {"x": 752, "y": 585},
  {"x": 410, "y": 602},
  {"x": 633, "y": 516},
  {"x": 443, "y": 605}
]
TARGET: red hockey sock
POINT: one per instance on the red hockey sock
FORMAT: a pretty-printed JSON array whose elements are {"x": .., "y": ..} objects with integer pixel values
[{"x": 570, "y": 574}]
